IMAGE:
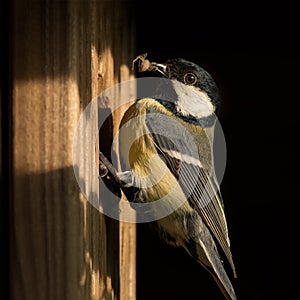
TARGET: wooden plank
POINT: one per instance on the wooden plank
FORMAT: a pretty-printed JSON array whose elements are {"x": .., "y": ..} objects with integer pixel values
[{"x": 65, "y": 54}]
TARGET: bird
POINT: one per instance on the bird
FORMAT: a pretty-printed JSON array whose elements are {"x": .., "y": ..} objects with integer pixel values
[{"x": 166, "y": 153}]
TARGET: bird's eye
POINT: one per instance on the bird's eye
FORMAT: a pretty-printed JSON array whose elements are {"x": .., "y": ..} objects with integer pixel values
[{"x": 190, "y": 78}]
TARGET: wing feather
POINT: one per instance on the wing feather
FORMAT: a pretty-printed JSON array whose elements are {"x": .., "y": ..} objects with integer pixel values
[{"x": 189, "y": 166}]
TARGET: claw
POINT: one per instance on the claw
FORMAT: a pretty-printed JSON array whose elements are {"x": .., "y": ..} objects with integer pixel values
[
  {"x": 102, "y": 170},
  {"x": 107, "y": 170}
]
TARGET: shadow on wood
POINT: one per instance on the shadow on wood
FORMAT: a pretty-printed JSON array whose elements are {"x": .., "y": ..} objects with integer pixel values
[{"x": 64, "y": 53}]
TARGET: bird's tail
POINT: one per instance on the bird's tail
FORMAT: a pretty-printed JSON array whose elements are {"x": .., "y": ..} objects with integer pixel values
[
  {"x": 209, "y": 258},
  {"x": 225, "y": 286}
]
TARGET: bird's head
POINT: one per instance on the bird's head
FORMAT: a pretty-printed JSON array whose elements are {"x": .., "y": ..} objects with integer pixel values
[{"x": 194, "y": 89}]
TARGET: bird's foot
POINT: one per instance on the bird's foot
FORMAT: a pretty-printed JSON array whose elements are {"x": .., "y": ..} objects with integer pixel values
[{"x": 107, "y": 171}]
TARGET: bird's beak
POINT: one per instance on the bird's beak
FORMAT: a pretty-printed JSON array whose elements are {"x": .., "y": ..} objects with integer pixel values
[
  {"x": 159, "y": 68},
  {"x": 145, "y": 65}
]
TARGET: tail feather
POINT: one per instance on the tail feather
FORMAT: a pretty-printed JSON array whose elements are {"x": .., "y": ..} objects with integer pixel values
[
  {"x": 208, "y": 257},
  {"x": 218, "y": 272}
]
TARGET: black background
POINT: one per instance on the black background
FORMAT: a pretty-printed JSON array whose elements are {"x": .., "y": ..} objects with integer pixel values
[{"x": 252, "y": 51}]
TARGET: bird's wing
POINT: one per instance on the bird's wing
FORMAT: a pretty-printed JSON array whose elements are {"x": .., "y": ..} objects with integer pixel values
[{"x": 177, "y": 147}]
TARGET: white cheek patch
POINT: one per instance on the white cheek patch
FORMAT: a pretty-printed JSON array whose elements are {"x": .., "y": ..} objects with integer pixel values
[{"x": 192, "y": 101}]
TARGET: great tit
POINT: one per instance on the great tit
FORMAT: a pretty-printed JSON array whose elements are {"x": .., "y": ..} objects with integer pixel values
[{"x": 166, "y": 153}]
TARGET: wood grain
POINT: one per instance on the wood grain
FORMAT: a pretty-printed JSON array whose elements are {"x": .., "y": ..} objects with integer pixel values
[{"x": 64, "y": 54}]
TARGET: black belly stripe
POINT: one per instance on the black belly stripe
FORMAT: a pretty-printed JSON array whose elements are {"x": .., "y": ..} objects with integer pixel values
[{"x": 203, "y": 122}]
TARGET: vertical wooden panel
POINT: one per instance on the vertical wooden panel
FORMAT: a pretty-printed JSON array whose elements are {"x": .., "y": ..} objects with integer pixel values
[{"x": 65, "y": 54}]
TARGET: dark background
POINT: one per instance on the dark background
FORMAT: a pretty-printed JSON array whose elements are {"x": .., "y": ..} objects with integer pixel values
[{"x": 252, "y": 52}]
